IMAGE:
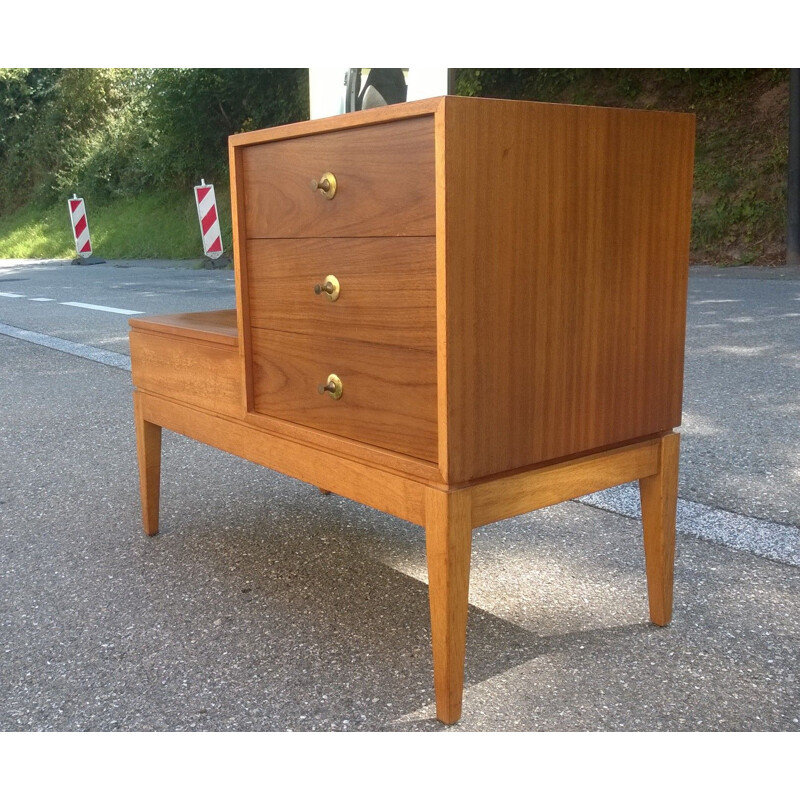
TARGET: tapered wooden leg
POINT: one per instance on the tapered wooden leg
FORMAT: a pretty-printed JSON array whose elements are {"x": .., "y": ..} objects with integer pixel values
[
  {"x": 148, "y": 450},
  {"x": 659, "y": 495},
  {"x": 448, "y": 538}
]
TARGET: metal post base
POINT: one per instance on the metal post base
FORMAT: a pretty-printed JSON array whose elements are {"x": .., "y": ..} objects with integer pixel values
[
  {"x": 223, "y": 262},
  {"x": 88, "y": 262}
]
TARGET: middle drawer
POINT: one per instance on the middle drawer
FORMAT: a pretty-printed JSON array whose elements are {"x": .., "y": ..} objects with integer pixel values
[{"x": 385, "y": 288}]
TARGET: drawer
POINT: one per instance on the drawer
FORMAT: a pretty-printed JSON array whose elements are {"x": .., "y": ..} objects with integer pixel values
[
  {"x": 387, "y": 288},
  {"x": 201, "y": 373},
  {"x": 384, "y": 183},
  {"x": 388, "y": 398}
]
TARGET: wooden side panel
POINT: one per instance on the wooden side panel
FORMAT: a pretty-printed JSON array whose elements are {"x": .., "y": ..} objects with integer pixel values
[
  {"x": 207, "y": 326},
  {"x": 567, "y": 259},
  {"x": 389, "y": 393},
  {"x": 388, "y": 461},
  {"x": 205, "y": 374},
  {"x": 443, "y": 390},
  {"x": 387, "y": 294},
  {"x": 384, "y": 174},
  {"x": 329, "y": 470},
  {"x": 547, "y": 485},
  {"x": 372, "y": 116},
  {"x": 240, "y": 273}
]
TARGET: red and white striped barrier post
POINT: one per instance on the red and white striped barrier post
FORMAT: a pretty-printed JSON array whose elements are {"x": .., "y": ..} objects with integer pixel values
[
  {"x": 209, "y": 219},
  {"x": 80, "y": 231}
]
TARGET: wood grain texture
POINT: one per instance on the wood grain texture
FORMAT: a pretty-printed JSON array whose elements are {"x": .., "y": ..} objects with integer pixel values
[
  {"x": 509, "y": 334},
  {"x": 204, "y": 373},
  {"x": 389, "y": 397},
  {"x": 544, "y": 486},
  {"x": 218, "y": 327},
  {"x": 388, "y": 288},
  {"x": 384, "y": 173},
  {"x": 567, "y": 259},
  {"x": 378, "y": 457},
  {"x": 148, "y": 454},
  {"x": 659, "y": 494},
  {"x": 381, "y": 490},
  {"x": 340, "y": 122},
  {"x": 442, "y": 276},
  {"x": 240, "y": 274},
  {"x": 448, "y": 543}
]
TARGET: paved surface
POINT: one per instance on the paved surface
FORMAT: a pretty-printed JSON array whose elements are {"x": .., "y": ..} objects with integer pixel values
[
  {"x": 742, "y": 394},
  {"x": 264, "y": 605},
  {"x": 152, "y": 289}
]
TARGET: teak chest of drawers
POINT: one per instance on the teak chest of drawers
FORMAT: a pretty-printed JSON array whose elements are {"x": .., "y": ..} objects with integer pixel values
[{"x": 455, "y": 311}]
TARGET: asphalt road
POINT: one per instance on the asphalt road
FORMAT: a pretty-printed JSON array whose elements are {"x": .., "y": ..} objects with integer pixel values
[{"x": 264, "y": 605}]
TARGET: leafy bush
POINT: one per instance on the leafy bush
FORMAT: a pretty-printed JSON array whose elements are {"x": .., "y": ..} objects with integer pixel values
[
  {"x": 105, "y": 133},
  {"x": 193, "y": 111},
  {"x": 109, "y": 134}
]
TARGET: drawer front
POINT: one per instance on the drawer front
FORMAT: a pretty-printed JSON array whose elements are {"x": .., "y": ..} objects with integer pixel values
[
  {"x": 388, "y": 393},
  {"x": 204, "y": 374},
  {"x": 386, "y": 288},
  {"x": 384, "y": 183}
]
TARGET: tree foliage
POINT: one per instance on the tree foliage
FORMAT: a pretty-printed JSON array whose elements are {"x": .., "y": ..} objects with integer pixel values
[
  {"x": 195, "y": 110},
  {"x": 108, "y": 132}
]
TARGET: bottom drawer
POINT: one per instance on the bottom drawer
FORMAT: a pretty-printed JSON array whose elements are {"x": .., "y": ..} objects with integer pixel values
[
  {"x": 201, "y": 373},
  {"x": 388, "y": 393}
]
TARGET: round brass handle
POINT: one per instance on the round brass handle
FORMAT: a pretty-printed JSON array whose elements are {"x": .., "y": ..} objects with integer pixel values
[
  {"x": 326, "y": 185},
  {"x": 330, "y": 287},
  {"x": 333, "y": 386}
]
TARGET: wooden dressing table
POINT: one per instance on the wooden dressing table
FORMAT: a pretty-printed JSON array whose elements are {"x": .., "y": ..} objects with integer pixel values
[{"x": 455, "y": 311}]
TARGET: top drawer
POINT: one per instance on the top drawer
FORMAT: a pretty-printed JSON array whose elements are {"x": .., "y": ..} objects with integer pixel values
[{"x": 384, "y": 183}]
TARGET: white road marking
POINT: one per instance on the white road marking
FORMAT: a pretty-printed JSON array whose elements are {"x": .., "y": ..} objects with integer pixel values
[
  {"x": 107, "y": 357},
  {"x": 127, "y": 311},
  {"x": 103, "y": 308},
  {"x": 775, "y": 540}
]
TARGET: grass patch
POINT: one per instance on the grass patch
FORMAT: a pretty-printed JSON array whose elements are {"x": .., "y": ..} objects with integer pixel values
[
  {"x": 36, "y": 233},
  {"x": 156, "y": 225}
]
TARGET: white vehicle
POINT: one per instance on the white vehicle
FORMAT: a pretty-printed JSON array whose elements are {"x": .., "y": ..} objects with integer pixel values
[{"x": 339, "y": 90}]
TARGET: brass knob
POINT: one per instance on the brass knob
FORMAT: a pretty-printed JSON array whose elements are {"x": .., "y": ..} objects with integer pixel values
[
  {"x": 330, "y": 287},
  {"x": 333, "y": 386},
  {"x": 326, "y": 184}
]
